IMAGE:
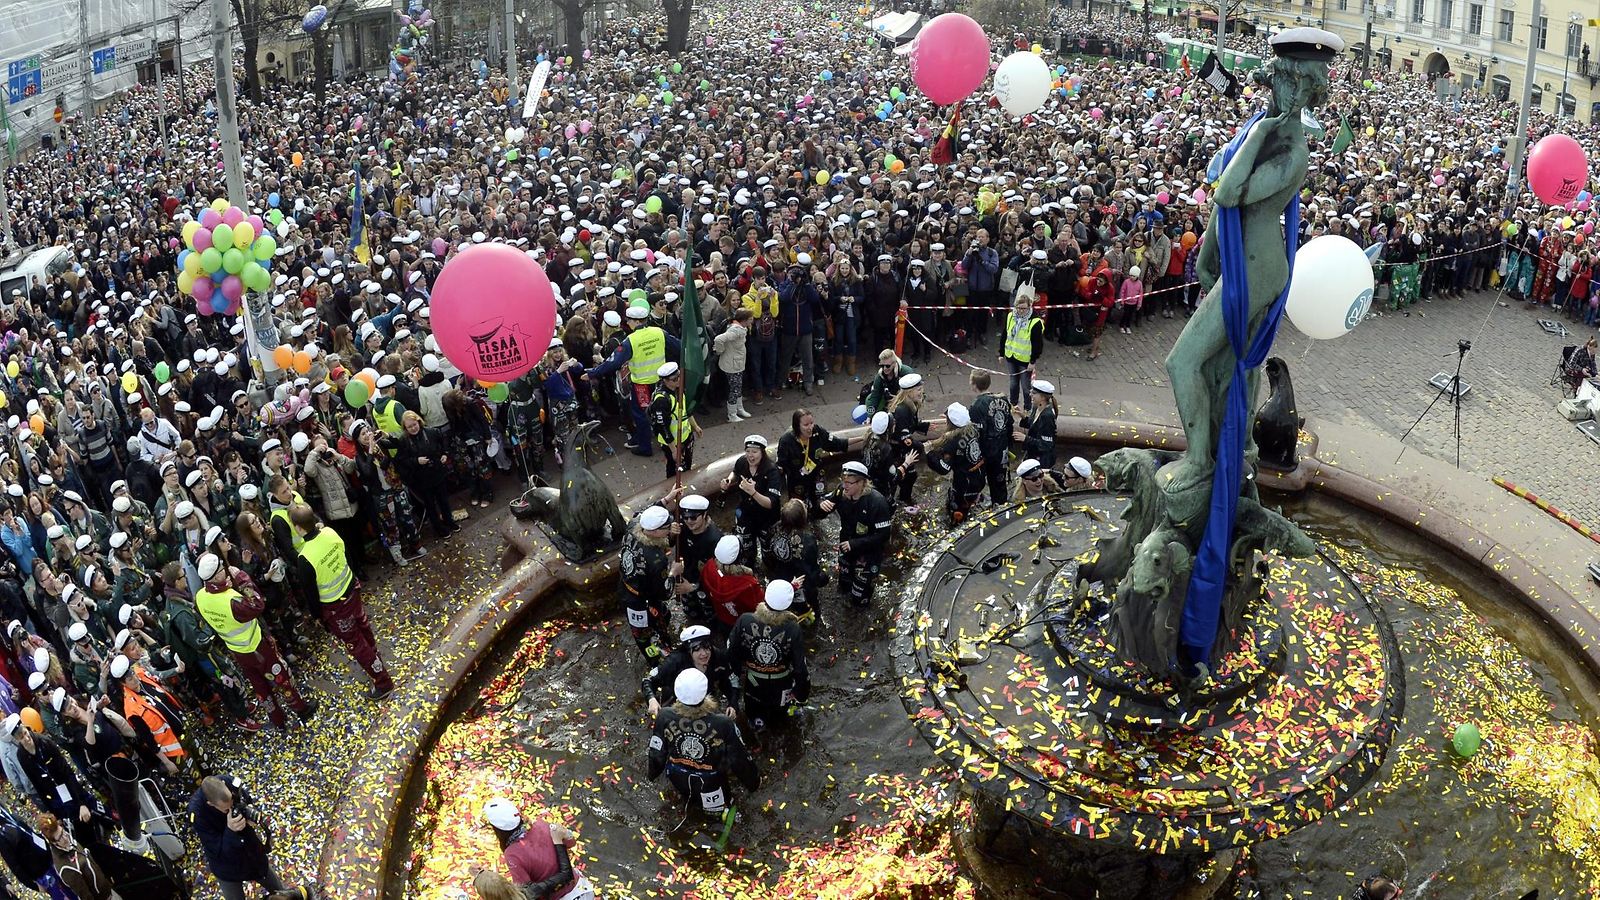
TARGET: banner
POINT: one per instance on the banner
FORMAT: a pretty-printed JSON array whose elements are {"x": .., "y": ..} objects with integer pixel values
[
  {"x": 1219, "y": 78},
  {"x": 530, "y": 101}
]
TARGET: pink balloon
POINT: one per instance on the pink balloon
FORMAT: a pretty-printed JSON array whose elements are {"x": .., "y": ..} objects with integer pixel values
[
  {"x": 439, "y": 246},
  {"x": 203, "y": 307},
  {"x": 1199, "y": 195},
  {"x": 1588, "y": 228},
  {"x": 1557, "y": 169},
  {"x": 493, "y": 312},
  {"x": 1177, "y": 91},
  {"x": 1163, "y": 198},
  {"x": 1096, "y": 113},
  {"x": 203, "y": 289},
  {"x": 584, "y": 126},
  {"x": 950, "y": 59},
  {"x": 173, "y": 243},
  {"x": 571, "y": 132},
  {"x": 232, "y": 287},
  {"x": 210, "y": 218},
  {"x": 233, "y": 216},
  {"x": 257, "y": 224},
  {"x": 202, "y": 238},
  {"x": 356, "y": 125},
  {"x": 304, "y": 395},
  {"x": 1583, "y": 205}
]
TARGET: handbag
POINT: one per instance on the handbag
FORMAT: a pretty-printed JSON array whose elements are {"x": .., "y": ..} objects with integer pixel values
[{"x": 1008, "y": 280}]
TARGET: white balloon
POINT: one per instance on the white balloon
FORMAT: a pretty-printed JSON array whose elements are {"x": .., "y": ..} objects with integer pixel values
[
  {"x": 1022, "y": 83},
  {"x": 1331, "y": 288}
]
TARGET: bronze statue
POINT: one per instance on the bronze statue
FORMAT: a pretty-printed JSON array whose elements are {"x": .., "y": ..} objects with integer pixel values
[
  {"x": 1149, "y": 563},
  {"x": 584, "y": 511}
]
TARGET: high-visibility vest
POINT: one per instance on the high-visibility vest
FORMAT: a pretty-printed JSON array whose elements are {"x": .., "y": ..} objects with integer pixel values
[
  {"x": 325, "y": 552},
  {"x": 217, "y": 609},
  {"x": 649, "y": 354},
  {"x": 386, "y": 413},
  {"x": 1019, "y": 341},
  {"x": 135, "y": 706},
  {"x": 281, "y": 513},
  {"x": 678, "y": 423}
]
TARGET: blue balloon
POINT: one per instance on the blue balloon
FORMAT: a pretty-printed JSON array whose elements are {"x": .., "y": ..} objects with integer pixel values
[
  {"x": 883, "y": 114},
  {"x": 218, "y": 275},
  {"x": 183, "y": 255},
  {"x": 273, "y": 199},
  {"x": 544, "y": 152},
  {"x": 826, "y": 75},
  {"x": 314, "y": 18}
]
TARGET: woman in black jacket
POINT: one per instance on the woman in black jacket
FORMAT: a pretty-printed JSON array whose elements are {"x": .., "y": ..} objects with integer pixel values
[
  {"x": 470, "y": 435},
  {"x": 1037, "y": 431},
  {"x": 423, "y": 457},
  {"x": 387, "y": 502},
  {"x": 797, "y": 456}
]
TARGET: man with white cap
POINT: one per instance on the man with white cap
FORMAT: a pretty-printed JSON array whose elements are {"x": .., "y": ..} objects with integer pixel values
[
  {"x": 537, "y": 854},
  {"x": 698, "y": 748},
  {"x": 1079, "y": 475},
  {"x": 768, "y": 652},
  {"x": 697, "y": 543},
  {"x": 325, "y": 565},
  {"x": 642, "y": 586},
  {"x": 864, "y": 526},
  {"x": 1034, "y": 480},
  {"x": 231, "y": 605},
  {"x": 644, "y": 351},
  {"x": 672, "y": 423},
  {"x": 696, "y": 650},
  {"x": 959, "y": 453}
]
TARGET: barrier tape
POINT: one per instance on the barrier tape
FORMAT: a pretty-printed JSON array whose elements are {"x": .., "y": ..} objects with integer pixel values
[{"x": 1565, "y": 518}]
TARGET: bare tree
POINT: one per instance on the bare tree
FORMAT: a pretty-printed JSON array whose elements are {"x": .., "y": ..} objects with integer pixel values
[
  {"x": 572, "y": 13},
  {"x": 1010, "y": 15},
  {"x": 252, "y": 16}
]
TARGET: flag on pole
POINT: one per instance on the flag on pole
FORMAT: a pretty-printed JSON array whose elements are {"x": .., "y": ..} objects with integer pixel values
[
  {"x": 358, "y": 223},
  {"x": 1214, "y": 73},
  {"x": 1184, "y": 62},
  {"x": 696, "y": 343},
  {"x": 944, "y": 150},
  {"x": 1344, "y": 138}
]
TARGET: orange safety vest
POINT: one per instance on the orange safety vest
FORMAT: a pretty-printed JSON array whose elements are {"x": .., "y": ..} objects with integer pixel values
[{"x": 134, "y": 705}]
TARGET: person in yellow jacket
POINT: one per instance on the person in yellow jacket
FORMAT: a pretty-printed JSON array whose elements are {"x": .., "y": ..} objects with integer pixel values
[
  {"x": 674, "y": 426},
  {"x": 643, "y": 351},
  {"x": 156, "y": 716},
  {"x": 324, "y": 564},
  {"x": 232, "y": 607}
]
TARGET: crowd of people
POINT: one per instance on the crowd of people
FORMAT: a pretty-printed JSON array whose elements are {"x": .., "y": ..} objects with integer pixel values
[{"x": 179, "y": 514}]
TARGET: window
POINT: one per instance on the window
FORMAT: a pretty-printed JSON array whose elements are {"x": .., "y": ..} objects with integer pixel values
[
  {"x": 1447, "y": 12},
  {"x": 1344, "y": 5},
  {"x": 1508, "y": 21},
  {"x": 1544, "y": 31},
  {"x": 1574, "y": 40},
  {"x": 300, "y": 63},
  {"x": 1475, "y": 19},
  {"x": 1417, "y": 9}
]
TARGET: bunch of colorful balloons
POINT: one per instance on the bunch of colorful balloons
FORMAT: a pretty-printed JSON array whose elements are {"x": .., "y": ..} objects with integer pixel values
[
  {"x": 228, "y": 253},
  {"x": 412, "y": 39}
]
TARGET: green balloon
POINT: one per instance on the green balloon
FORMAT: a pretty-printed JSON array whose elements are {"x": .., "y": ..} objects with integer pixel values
[
  {"x": 677, "y": 68},
  {"x": 1467, "y": 740},
  {"x": 210, "y": 259},
  {"x": 255, "y": 277},
  {"x": 637, "y": 295},
  {"x": 652, "y": 204},
  {"x": 356, "y": 393},
  {"x": 275, "y": 217},
  {"x": 499, "y": 392},
  {"x": 666, "y": 97},
  {"x": 387, "y": 143},
  {"x": 512, "y": 155},
  {"x": 162, "y": 372},
  {"x": 232, "y": 261},
  {"x": 222, "y": 236},
  {"x": 1367, "y": 84},
  {"x": 265, "y": 246},
  {"x": 705, "y": 85}
]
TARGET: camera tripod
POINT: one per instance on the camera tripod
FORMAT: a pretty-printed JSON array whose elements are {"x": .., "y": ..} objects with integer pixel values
[{"x": 1453, "y": 387}]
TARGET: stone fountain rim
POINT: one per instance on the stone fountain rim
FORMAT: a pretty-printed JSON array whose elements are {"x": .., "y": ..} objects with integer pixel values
[{"x": 355, "y": 860}]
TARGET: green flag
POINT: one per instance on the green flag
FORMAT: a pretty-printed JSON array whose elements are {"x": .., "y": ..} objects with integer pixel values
[
  {"x": 1342, "y": 141},
  {"x": 696, "y": 343}
]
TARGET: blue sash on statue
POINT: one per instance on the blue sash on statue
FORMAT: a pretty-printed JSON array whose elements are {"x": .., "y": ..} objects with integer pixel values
[{"x": 1203, "y": 604}]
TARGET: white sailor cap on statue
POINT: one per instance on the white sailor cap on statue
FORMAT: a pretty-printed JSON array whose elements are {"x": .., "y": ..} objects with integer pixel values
[{"x": 691, "y": 686}]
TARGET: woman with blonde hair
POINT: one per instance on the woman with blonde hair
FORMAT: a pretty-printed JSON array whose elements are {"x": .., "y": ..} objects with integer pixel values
[{"x": 491, "y": 885}]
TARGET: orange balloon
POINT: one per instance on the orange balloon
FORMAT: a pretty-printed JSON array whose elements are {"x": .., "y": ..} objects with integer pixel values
[
  {"x": 302, "y": 362},
  {"x": 283, "y": 356},
  {"x": 1188, "y": 240},
  {"x": 297, "y": 159},
  {"x": 897, "y": 166},
  {"x": 366, "y": 378},
  {"x": 36, "y": 423},
  {"x": 30, "y": 718}
]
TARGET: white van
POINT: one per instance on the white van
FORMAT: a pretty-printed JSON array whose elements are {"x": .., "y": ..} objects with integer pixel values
[{"x": 25, "y": 268}]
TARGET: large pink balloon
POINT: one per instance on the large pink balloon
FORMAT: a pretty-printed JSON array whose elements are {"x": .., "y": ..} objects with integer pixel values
[
  {"x": 493, "y": 312},
  {"x": 1557, "y": 169},
  {"x": 232, "y": 288},
  {"x": 210, "y": 218},
  {"x": 202, "y": 239},
  {"x": 951, "y": 58},
  {"x": 233, "y": 216},
  {"x": 203, "y": 288}
]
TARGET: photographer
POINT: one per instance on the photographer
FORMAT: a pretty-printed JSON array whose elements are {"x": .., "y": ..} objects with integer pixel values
[{"x": 235, "y": 836}]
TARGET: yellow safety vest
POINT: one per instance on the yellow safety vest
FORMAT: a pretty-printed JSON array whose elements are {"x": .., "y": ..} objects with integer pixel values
[
  {"x": 282, "y": 513},
  {"x": 649, "y": 354},
  {"x": 387, "y": 412},
  {"x": 217, "y": 610},
  {"x": 325, "y": 552},
  {"x": 679, "y": 424},
  {"x": 1019, "y": 341}
]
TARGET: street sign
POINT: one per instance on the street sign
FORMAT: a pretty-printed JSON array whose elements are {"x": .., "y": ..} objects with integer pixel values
[
  {"x": 24, "y": 79},
  {"x": 103, "y": 60}
]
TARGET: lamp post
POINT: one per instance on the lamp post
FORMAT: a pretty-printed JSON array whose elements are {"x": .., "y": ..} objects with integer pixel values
[
  {"x": 1519, "y": 141},
  {"x": 1566, "y": 63},
  {"x": 1366, "y": 58}
]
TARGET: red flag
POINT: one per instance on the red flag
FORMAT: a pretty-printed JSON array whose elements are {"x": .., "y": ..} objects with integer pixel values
[
  {"x": 1184, "y": 61},
  {"x": 944, "y": 151}
]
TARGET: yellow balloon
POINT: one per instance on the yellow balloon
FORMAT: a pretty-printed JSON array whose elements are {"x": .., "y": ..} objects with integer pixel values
[
  {"x": 189, "y": 228},
  {"x": 130, "y": 382},
  {"x": 244, "y": 234},
  {"x": 1371, "y": 131},
  {"x": 186, "y": 281},
  {"x": 822, "y": 176},
  {"x": 13, "y": 369},
  {"x": 191, "y": 264},
  {"x": 220, "y": 204},
  {"x": 1036, "y": 49},
  {"x": 4, "y": 401}
]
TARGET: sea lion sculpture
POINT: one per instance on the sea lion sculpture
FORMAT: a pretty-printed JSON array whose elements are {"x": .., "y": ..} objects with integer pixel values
[
  {"x": 1277, "y": 426},
  {"x": 582, "y": 517}
]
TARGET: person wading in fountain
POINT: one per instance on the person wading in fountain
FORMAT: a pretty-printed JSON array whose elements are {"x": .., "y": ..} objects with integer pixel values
[
  {"x": 643, "y": 586},
  {"x": 698, "y": 748},
  {"x": 538, "y": 854},
  {"x": 695, "y": 651},
  {"x": 864, "y": 523},
  {"x": 768, "y": 650}
]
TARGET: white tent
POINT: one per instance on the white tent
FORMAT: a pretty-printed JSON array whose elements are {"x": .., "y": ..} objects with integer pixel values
[{"x": 896, "y": 28}]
